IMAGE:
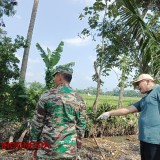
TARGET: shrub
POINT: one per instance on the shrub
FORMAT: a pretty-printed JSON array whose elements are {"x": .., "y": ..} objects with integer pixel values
[{"x": 114, "y": 126}]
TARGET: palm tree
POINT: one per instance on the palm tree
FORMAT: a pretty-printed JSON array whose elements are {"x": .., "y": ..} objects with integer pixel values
[
  {"x": 29, "y": 39},
  {"x": 147, "y": 39}
]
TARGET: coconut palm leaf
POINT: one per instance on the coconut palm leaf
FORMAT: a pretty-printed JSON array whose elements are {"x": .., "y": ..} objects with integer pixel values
[{"x": 140, "y": 31}]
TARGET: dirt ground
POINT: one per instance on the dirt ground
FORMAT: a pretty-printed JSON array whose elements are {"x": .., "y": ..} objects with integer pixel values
[
  {"x": 111, "y": 148},
  {"x": 108, "y": 148}
]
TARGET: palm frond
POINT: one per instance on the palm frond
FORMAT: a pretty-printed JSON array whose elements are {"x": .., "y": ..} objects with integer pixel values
[{"x": 140, "y": 31}]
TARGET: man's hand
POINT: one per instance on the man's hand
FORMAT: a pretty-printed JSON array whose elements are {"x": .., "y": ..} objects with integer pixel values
[{"x": 104, "y": 115}]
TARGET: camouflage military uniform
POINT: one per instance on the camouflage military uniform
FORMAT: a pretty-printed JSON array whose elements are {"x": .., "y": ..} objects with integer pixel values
[{"x": 59, "y": 120}]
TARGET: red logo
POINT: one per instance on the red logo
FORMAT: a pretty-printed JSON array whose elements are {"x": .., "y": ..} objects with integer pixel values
[{"x": 27, "y": 145}]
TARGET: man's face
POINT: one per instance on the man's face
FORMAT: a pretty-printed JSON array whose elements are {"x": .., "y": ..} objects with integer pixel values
[
  {"x": 142, "y": 86},
  {"x": 57, "y": 80}
]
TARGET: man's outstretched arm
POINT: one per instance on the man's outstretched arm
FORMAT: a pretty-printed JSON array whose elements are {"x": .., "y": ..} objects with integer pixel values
[{"x": 118, "y": 112}]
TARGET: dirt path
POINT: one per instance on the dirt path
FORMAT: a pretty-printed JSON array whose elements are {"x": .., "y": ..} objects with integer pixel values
[{"x": 112, "y": 148}]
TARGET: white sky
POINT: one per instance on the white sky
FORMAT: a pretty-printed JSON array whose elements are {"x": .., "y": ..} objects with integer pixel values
[{"x": 57, "y": 20}]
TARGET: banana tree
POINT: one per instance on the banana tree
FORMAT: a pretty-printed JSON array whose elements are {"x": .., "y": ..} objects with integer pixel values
[
  {"x": 71, "y": 64},
  {"x": 50, "y": 58}
]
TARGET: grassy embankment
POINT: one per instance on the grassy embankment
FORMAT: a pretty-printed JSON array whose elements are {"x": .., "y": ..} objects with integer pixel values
[{"x": 112, "y": 100}]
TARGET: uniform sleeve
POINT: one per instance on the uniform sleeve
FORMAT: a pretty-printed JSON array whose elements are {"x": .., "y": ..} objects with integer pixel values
[
  {"x": 38, "y": 121},
  {"x": 81, "y": 124}
]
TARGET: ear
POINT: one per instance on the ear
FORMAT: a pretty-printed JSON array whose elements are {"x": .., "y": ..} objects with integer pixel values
[
  {"x": 60, "y": 77},
  {"x": 57, "y": 76}
]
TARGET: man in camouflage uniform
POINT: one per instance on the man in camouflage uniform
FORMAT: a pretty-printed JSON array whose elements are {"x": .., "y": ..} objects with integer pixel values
[{"x": 59, "y": 119}]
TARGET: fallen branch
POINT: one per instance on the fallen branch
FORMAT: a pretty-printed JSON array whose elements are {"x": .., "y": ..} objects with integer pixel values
[{"x": 99, "y": 148}]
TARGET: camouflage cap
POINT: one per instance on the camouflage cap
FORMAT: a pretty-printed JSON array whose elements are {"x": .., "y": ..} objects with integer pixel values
[{"x": 63, "y": 69}]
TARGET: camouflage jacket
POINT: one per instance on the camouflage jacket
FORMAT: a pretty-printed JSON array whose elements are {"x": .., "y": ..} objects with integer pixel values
[{"x": 59, "y": 120}]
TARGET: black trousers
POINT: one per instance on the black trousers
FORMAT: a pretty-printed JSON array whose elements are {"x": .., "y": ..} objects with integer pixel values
[{"x": 149, "y": 151}]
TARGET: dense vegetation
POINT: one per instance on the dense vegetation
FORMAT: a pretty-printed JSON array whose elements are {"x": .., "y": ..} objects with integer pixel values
[
  {"x": 23, "y": 105},
  {"x": 124, "y": 125},
  {"x": 130, "y": 38}
]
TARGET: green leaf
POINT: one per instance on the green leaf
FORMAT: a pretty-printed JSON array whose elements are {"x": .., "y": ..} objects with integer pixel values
[{"x": 43, "y": 55}]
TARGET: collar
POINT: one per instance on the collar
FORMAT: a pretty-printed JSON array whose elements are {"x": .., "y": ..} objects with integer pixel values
[
  {"x": 63, "y": 85},
  {"x": 154, "y": 87}
]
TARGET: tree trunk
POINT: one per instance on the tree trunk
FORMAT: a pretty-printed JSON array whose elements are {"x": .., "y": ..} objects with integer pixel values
[
  {"x": 120, "y": 97},
  {"x": 94, "y": 108},
  {"x": 122, "y": 85},
  {"x": 29, "y": 38},
  {"x": 98, "y": 76},
  {"x": 96, "y": 99},
  {"x": 99, "y": 73}
]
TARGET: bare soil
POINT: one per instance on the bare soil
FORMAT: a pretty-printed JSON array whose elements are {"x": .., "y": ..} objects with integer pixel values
[
  {"x": 111, "y": 148},
  {"x": 108, "y": 148}
]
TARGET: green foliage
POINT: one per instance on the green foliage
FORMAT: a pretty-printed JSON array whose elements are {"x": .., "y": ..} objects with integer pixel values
[
  {"x": 71, "y": 64},
  {"x": 6, "y": 8},
  {"x": 50, "y": 59},
  {"x": 20, "y": 99},
  {"x": 96, "y": 25},
  {"x": 116, "y": 48},
  {"x": 34, "y": 91},
  {"x": 20, "y": 102},
  {"x": 144, "y": 32},
  {"x": 129, "y": 33},
  {"x": 8, "y": 61},
  {"x": 9, "y": 71},
  {"x": 114, "y": 126}
]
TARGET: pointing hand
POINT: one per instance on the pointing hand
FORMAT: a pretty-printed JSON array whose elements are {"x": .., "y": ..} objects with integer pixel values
[{"x": 104, "y": 115}]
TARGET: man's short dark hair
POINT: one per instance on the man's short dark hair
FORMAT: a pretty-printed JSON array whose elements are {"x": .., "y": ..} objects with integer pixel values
[{"x": 67, "y": 77}]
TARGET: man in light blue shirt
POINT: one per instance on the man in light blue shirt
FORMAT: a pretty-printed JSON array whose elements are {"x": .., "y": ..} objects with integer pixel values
[{"x": 149, "y": 119}]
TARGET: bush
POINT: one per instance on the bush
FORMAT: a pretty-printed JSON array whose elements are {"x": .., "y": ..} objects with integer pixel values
[{"x": 114, "y": 126}]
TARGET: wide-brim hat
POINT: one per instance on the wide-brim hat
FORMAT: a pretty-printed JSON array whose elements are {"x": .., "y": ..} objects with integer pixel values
[{"x": 143, "y": 77}]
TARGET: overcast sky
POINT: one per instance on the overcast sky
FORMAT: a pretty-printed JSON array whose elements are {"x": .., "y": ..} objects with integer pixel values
[{"x": 56, "y": 21}]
